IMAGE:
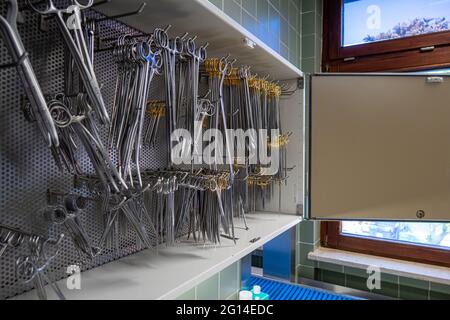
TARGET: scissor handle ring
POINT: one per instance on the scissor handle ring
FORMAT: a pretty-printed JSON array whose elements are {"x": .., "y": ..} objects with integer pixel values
[
  {"x": 213, "y": 186},
  {"x": 83, "y": 6},
  {"x": 26, "y": 269},
  {"x": 145, "y": 51},
  {"x": 243, "y": 72},
  {"x": 161, "y": 38},
  {"x": 152, "y": 43},
  {"x": 212, "y": 110},
  {"x": 205, "y": 106},
  {"x": 202, "y": 54},
  {"x": 2, "y": 233},
  {"x": 15, "y": 240},
  {"x": 229, "y": 68},
  {"x": 157, "y": 60},
  {"x": 223, "y": 64},
  {"x": 133, "y": 51},
  {"x": 49, "y": 9},
  {"x": 116, "y": 54},
  {"x": 177, "y": 45},
  {"x": 119, "y": 49},
  {"x": 190, "y": 47},
  {"x": 157, "y": 186},
  {"x": 128, "y": 52},
  {"x": 47, "y": 246},
  {"x": 61, "y": 116},
  {"x": 34, "y": 241}
]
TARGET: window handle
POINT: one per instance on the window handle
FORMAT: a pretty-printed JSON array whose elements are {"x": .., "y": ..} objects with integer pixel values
[
  {"x": 427, "y": 49},
  {"x": 435, "y": 79}
]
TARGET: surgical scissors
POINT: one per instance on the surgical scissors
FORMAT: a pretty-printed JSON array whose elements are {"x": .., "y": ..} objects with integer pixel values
[
  {"x": 84, "y": 128},
  {"x": 60, "y": 215},
  {"x": 32, "y": 268},
  {"x": 10, "y": 239}
]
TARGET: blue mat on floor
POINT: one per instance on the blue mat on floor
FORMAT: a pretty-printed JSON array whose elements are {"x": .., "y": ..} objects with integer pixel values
[{"x": 283, "y": 291}]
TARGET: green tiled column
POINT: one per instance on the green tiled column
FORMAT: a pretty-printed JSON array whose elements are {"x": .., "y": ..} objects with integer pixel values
[
  {"x": 311, "y": 27},
  {"x": 310, "y": 22},
  {"x": 308, "y": 239}
]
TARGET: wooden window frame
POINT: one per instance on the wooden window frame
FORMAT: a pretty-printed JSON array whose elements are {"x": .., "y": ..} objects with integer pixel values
[
  {"x": 399, "y": 54},
  {"x": 332, "y": 237},
  {"x": 392, "y": 55}
]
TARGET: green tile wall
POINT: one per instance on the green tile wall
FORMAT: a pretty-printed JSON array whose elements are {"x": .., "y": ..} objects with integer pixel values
[
  {"x": 308, "y": 232},
  {"x": 276, "y": 22},
  {"x": 391, "y": 285},
  {"x": 224, "y": 285},
  {"x": 311, "y": 29},
  {"x": 308, "y": 239}
]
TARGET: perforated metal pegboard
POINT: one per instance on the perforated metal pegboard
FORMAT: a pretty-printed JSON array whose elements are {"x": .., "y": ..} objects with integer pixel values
[{"x": 27, "y": 167}]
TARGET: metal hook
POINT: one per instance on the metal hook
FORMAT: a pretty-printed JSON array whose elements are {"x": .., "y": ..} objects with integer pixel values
[
  {"x": 100, "y": 3},
  {"x": 123, "y": 15},
  {"x": 184, "y": 36}
]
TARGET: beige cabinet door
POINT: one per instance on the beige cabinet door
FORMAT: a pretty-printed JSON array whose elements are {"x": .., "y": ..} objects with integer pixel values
[{"x": 377, "y": 147}]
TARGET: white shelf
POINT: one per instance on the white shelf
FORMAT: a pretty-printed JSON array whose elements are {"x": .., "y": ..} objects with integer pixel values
[
  {"x": 210, "y": 24},
  {"x": 173, "y": 271}
]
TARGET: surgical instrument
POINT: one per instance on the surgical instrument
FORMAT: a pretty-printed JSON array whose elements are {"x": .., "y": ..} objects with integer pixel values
[
  {"x": 72, "y": 33},
  {"x": 67, "y": 215},
  {"x": 10, "y": 34},
  {"x": 137, "y": 67},
  {"x": 32, "y": 268}
]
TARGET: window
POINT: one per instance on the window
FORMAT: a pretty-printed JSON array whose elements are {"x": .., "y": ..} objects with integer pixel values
[
  {"x": 427, "y": 234},
  {"x": 405, "y": 34},
  {"x": 416, "y": 242},
  {"x": 366, "y": 21},
  {"x": 359, "y": 48}
]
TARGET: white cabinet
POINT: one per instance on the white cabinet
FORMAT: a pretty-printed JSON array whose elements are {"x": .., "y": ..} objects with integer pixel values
[{"x": 378, "y": 147}]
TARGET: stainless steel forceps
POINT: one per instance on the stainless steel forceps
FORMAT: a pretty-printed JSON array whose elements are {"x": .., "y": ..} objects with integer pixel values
[
  {"x": 76, "y": 44},
  {"x": 10, "y": 34}
]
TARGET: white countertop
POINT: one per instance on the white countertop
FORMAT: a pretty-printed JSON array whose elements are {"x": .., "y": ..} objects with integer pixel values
[{"x": 170, "y": 272}]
